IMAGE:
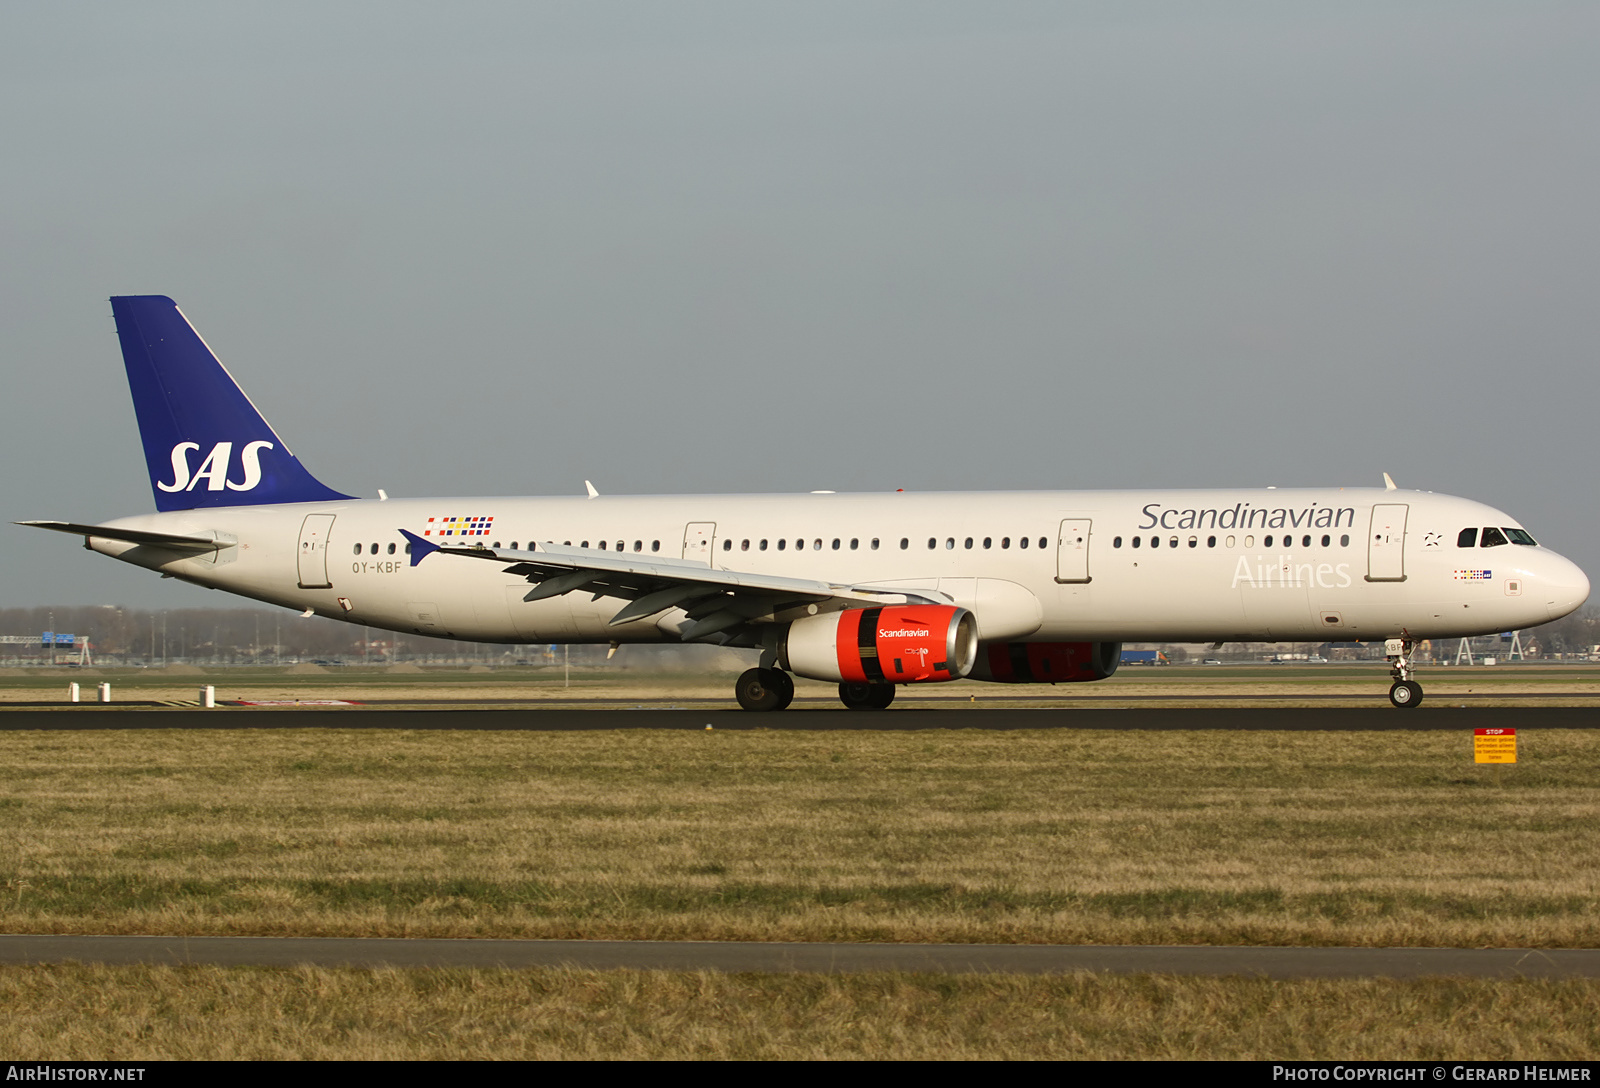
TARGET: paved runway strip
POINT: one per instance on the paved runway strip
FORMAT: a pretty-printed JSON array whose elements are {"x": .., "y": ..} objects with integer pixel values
[
  {"x": 1261, "y": 962},
  {"x": 1378, "y": 718}
]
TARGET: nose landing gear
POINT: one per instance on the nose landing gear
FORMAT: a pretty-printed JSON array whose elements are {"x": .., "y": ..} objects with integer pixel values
[{"x": 1404, "y": 692}]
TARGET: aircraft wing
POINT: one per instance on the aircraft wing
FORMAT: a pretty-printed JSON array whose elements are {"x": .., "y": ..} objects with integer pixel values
[
  {"x": 131, "y": 536},
  {"x": 713, "y": 599}
]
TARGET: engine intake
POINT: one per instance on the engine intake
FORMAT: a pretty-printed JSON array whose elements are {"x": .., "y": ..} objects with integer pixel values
[
  {"x": 899, "y": 644},
  {"x": 1047, "y": 662}
]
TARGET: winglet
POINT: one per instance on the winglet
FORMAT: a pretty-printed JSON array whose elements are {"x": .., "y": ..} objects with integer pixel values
[
  {"x": 420, "y": 549},
  {"x": 1388, "y": 483},
  {"x": 593, "y": 494}
]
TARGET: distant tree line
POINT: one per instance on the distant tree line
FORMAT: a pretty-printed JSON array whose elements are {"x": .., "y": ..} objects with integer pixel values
[{"x": 222, "y": 635}]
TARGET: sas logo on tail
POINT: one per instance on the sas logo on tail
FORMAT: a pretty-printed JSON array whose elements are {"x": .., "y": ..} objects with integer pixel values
[{"x": 214, "y": 469}]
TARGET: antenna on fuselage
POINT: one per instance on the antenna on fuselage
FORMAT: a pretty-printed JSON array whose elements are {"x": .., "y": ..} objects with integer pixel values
[{"x": 593, "y": 494}]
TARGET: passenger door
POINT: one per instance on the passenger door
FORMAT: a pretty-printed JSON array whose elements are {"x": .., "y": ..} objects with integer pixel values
[
  {"x": 1386, "y": 543},
  {"x": 313, "y": 557}
]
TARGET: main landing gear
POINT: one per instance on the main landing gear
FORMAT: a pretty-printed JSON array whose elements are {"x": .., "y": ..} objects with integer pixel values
[
  {"x": 866, "y": 696},
  {"x": 764, "y": 689},
  {"x": 1404, "y": 692}
]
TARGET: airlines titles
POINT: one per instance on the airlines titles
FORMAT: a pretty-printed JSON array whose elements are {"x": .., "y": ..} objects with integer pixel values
[{"x": 1244, "y": 515}]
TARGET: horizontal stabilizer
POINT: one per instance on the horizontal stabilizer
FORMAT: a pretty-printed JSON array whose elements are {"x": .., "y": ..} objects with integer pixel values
[{"x": 131, "y": 536}]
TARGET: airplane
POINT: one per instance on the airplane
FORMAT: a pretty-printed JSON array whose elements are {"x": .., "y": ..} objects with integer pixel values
[{"x": 869, "y": 591}]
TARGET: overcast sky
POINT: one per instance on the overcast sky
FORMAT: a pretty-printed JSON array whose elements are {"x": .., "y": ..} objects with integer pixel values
[{"x": 699, "y": 247}]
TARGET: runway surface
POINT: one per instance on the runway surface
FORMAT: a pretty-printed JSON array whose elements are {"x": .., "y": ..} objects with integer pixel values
[
  {"x": 733, "y": 956},
  {"x": 1345, "y": 719}
]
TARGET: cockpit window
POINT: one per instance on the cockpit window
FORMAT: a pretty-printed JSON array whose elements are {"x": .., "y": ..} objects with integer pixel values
[
  {"x": 1468, "y": 538},
  {"x": 1492, "y": 538},
  {"x": 1520, "y": 536}
]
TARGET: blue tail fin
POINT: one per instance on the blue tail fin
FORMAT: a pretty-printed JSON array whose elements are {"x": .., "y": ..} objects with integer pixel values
[{"x": 204, "y": 442}]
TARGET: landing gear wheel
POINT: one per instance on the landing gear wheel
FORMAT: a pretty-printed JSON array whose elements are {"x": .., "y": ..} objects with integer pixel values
[
  {"x": 784, "y": 683},
  {"x": 764, "y": 689},
  {"x": 1406, "y": 693},
  {"x": 866, "y": 696}
]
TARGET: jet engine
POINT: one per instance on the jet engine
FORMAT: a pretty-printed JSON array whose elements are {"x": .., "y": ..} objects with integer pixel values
[
  {"x": 899, "y": 644},
  {"x": 1046, "y": 662}
]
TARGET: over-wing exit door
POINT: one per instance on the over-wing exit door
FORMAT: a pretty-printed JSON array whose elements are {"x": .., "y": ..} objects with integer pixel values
[
  {"x": 697, "y": 540},
  {"x": 1072, "y": 550}
]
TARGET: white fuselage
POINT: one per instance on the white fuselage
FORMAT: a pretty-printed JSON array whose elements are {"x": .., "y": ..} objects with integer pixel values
[{"x": 1324, "y": 564}]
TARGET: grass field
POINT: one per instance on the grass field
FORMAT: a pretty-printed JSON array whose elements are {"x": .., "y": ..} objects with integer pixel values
[
  {"x": 137, "y": 1014},
  {"x": 1272, "y": 838},
  {"x": 964, "y": 835}
]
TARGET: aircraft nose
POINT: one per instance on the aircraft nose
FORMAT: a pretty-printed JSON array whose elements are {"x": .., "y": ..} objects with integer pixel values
[{"x": 1564, "y": 587}]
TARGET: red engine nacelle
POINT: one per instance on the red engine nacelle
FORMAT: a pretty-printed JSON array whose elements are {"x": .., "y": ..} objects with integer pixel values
[
  {"x": 899, "y": 644},
  {"x": 1047, "y": 662}
]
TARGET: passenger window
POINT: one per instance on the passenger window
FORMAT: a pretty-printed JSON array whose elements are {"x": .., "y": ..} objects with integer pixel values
[
  {"x": 1005, "y": 542},
  {"x": 988, "y": 542},
  {"x": 950, "y": 543},
  {"x": 408, "y": 547},
  {"x": 800, "y": 545},
  {"x": 358, "y": 549},
  {"x": 874, "y": 543},
  {"x": 1173, "y": 543},
  {"x": 817, "y": 544},
  {"x": 1266, "y": 542},
  {"x": 1155, "y": 542},
  {"x": 1326, "y": 540},
  {"x": 1116, "y": 542},
  {"x": 1211, "y": 542},
  {"x": 655, "y": 545},
  {"x": 763, "y": 545},
  {"x": 727, "y": 546},
  {"x": 969, "y": 542},
  {"x": 744, "y": 545},
  {"x": 1249, "y": 541},
  {"x": 1467, "y": 538},
  {"x": 904, "y": 543},
  {"x": 932, "y": 543},
  {"x": 783, "y": 542},
  {"x": 1042, "y": 540},
  {"x": 638, "y": 545},
  {"x": 584, "y": 544},
  {"x": 1492, "y": 538},
  {"x": 600, "y": 544},
  {"x": 835, "y": 543},
  {"x": 391, "y": 549},
  {"x": 1344, "y": 540},
  {"x": 1023, "y": 543},
  {"x": 620, "y": 544},
  {"x": 1228, "y": 542},
  {"x": 1136, "y": 541},
  {"x": 855, "y": 543}
]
